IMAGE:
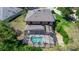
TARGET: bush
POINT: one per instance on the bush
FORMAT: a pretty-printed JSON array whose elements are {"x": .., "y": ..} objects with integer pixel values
[
  {"x": 77, "y": 12},
  {"x": 28, "y": 48},
  {"x": 66, "y": 11},
  {"x": 64, "y": 34}
]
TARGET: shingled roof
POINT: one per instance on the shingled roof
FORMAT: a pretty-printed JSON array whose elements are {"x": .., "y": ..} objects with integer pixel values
[
  {"x": 6, "y": 12},
  {"x": 34, "y": 27},
  {"x": 41, "y": 15}
]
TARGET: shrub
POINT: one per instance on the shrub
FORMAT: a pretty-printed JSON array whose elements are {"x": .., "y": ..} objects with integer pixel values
[
  {"x": 28, "y": 48},
  {"x": 64, "y": 34}
]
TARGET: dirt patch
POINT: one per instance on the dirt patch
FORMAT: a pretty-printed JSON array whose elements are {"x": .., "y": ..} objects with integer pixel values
[{"x": 60, "y": 39}]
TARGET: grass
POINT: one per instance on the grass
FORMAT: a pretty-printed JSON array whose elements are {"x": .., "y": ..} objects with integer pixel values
[
  {"x": 19, "y": 23},
  {"x": 73, "y": 32}
]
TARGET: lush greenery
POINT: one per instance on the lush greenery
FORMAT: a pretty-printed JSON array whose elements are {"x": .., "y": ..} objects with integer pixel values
[
  {"x": 64, "y": 34},
  {"x": 66, "y": 11},
  {"x": 77, "y": 23},
  {"x": 60, "y": 24},
  {"x": 77, "y": 12},
  {"x": 28, "y": 48},
  {"x": 8, "y": 41},
  {"x": 7, "y": 37}
]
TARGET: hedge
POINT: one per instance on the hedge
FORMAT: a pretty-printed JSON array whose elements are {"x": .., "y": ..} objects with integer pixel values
[{"x": 64, "y": 34}]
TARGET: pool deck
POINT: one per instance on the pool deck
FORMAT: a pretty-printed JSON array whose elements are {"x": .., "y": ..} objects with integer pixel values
[{"x": 47, "y": 41}]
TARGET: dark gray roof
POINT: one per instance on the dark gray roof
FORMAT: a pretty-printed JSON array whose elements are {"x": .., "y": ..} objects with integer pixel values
[
  {"x": 34, "y": 27},
  {"x": 32, "y": 8},
  {"x": 41, "y": 15},
  {"x": 6, "y": 12}
]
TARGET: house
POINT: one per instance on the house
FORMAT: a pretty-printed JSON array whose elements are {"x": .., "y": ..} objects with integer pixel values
[
  {"x": 9, "y": 12},
  {"x": 39, "y": 28},
  {"x": 41, "y": 17},
  {"x": 40, "y": 21}
]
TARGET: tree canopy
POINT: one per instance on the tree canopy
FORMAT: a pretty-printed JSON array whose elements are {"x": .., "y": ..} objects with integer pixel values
[
  {"x": 65, "y": 11},
  {"x": 77, "y": 12}
]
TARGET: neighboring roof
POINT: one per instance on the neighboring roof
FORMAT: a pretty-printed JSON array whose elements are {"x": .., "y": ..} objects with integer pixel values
[
  {"x": 6, "y": 12},
  {"x": 41, "y": 15},
  {"x": 34, "y": 27},
  {"x": 32, "y": 8},
  {"x": 1, "y": 13}
]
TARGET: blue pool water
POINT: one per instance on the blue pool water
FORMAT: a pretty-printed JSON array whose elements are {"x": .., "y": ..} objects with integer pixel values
[{"x": 36, "y": 39}]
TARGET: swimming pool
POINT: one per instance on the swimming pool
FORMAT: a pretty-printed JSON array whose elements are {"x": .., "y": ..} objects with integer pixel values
[{"x": 36, "y": 39}]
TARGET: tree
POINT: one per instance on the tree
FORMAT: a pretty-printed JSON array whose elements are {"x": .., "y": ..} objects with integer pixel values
[
  {"x": 77, "y": 24},
  {"x": 66, "y": 11},
  {"x": 8, "y": 37},
  {"x": 77, "y": 12},
  {"x": 28, "y": 48}
]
